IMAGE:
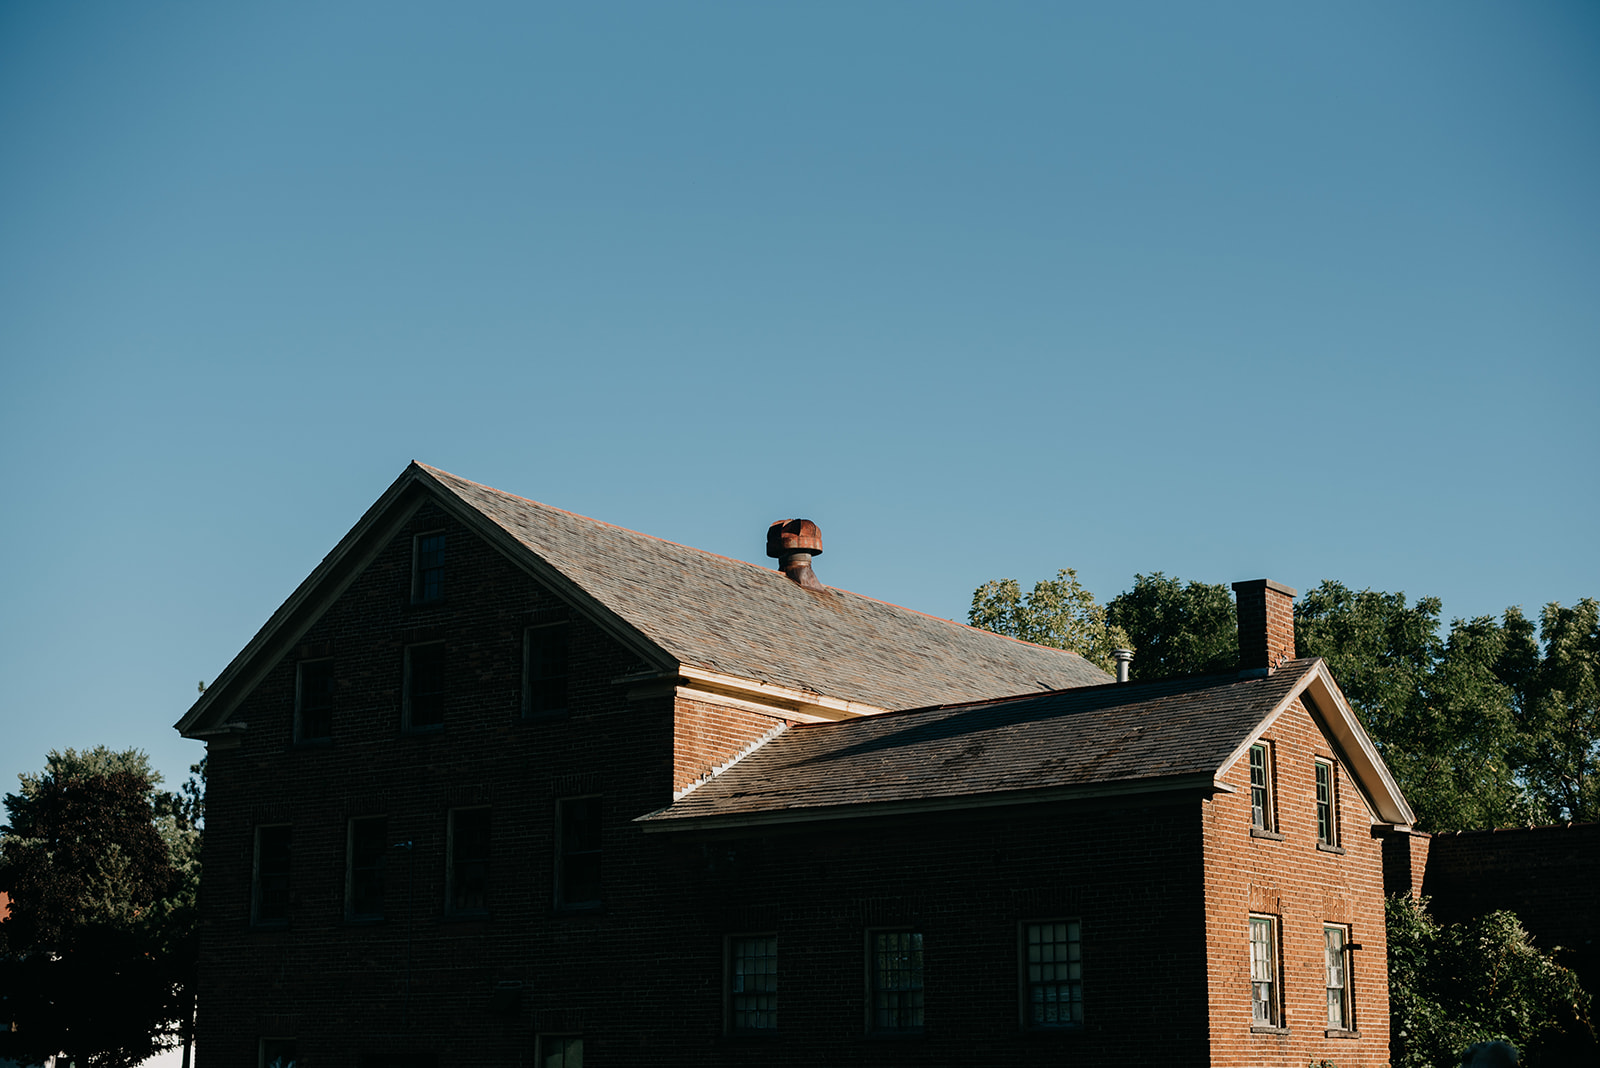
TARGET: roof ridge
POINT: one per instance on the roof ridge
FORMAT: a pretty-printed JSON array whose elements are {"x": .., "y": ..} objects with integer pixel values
[{"x": 438, "y": 471}]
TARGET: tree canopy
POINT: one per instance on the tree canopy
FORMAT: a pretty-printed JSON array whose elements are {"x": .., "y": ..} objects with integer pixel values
[
  {"x": 96, "y": 958},
  {"x": 1176, "y": 629},
  {"x": 1057, "y": 612}
]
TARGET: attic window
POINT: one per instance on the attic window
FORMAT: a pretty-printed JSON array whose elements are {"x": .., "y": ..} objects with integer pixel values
[
  {"x": 313, "y": 719},
  {"x": 427, "y": 568},
  {"x": 544, "y": 670},
  {"x": 1327, "y": 824},
  {"x": 424, "y": 687},
  {"x": 1261, "y": 788}
]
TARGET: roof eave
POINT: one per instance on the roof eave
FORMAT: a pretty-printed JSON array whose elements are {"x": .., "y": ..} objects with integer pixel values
[{"x": 659, "y": 821}]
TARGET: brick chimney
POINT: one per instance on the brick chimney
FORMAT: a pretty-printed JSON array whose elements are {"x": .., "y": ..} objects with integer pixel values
[{"x": 1266, "y": 625}]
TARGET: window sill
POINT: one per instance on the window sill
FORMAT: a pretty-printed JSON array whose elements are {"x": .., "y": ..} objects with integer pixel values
[
  {"x": 1259, "y": 1029},
  {"x": 1341, "y": 1034},
  {"x": 1271, "y": 836},
  {"x": 1324, "y": 847}
]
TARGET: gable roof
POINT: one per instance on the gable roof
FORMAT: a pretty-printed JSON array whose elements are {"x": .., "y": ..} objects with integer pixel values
[
  {"x": 1109, "y": 739},
  {"x": 678, "y": 608}
]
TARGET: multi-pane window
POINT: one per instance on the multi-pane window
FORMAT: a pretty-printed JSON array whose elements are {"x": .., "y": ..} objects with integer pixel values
[
  {"x": 544, "y": 670},
  {"x": 1327, "y": 828},
  {"x": 277, "y": 1053},
  {"x": 1263, "y": 971},
  {"x": 1337, "y": 957},
  {"x": 365, "y": 850},
  {"x": 1053, "y": 967},
  {"x": 468, "y": 874},
  {"x": 896, "y": 979},
  {"x": 1260, "y": 788},
  {"x": 560, "y": 1051},
  {"x": 424, "y": 686},
  {"x": 313, "y": 713},
  {"x": 270, "y": 890},
  {"x": 427, "y": 579},
  {"x": 578, "y": 859},
  {"x": 753, "y": 983}
]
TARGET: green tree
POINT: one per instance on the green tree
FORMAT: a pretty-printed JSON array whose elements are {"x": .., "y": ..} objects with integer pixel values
[
  {"x": 1557, "y": 702},
  {"x": 1178, "y": 629},
  {"x": 100, "y": 866},
  {"x": 1451, "y": 985},
  {"x": 1057, "y": 612}
]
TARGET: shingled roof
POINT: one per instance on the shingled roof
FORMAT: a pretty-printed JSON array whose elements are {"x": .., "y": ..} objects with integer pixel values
[
  {"x": 1102, "y": 739},
  {"x": 731, "y": 616}
]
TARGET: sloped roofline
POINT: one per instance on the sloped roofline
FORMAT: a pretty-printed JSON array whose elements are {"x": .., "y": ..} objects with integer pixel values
[
  {"x": 1353, "y": 744},
  {"x": 372, "y": 533}
]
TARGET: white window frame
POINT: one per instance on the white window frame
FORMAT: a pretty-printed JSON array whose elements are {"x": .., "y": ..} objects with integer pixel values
[
  {"x": 1319, "y": 766},
  {"x": 1268, "y": 821},
  {"x": 1266, "y": 970},
  {"x": 1336, "y": 965},
  {"x": 874, "y": 989},
  {"x": 1072, "y": 981},
  {"x": 732, "y": 992}
]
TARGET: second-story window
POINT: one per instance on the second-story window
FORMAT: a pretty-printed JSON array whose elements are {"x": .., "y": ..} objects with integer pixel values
[
  {"x": 895, "y": 975},
  {"x": 269, "y": 903},
  {"x": 1327, "y": 825},
  {"x": 468, "y": 874},
  {"x": 424, "y": 687},
  {"x": 753, "y": 983},
  {"x": 1264, "y": 971},
  {"x": 427, "y": 570},
  {"x": 1261, "y": 788},
  {"x": 313, "y": 713},
  {"x": 578, "y": 857},
  {"x": 544, "y": 670},
  {"x": 365, "y": 851}
]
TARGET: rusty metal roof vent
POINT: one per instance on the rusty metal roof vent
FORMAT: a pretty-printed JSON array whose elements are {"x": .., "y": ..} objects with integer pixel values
[{"x": 794, "y": 542}]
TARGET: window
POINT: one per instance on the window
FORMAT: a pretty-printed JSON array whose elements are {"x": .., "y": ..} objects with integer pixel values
[
  {"x": 1336, "y": 950},
  {"x": 896, "y": 979},
  {"x": 1260, "y": 788},
  {"x": 468, "y": 875},
  {"x": 277, "y": 1053},
  {"x": 1263, "y": 971},
  {"x": 313, "y": 709},
  {"x": 270, "y": 891},
  {"x": 578, "y": 858},
  {"x": 1327, "y": 828},
  {"x": 1052, "y": 955},
  {"x": 424, "y": 686},
  {"x": 366, "y": 848},
  {"x": 427, "y": 568},
  {"x": 753, "y": 983},
  {"x": 560, "y": 1051},
  {"x": 544, "y": 670}
]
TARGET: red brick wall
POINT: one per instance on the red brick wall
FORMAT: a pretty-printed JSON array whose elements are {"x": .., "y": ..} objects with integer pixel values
[
  {"x": 1304, "y": 887},
  {"x": 707, "y": 736},
  {"x": 1266, "y": 623}
]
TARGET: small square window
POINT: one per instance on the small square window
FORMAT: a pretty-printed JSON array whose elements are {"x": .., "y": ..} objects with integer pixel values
[
  {"x": 1335, "y": 946},
  {"x": 1327, "y": 825},
  {"x": 277, "y": 1053},
  {"x": 424, "y": 687},
  {"x": 1264, "y": 1010},
  {"x": 895, "y": 977},
  {"x": 269, "y": 904},
  {"x": 1052, "y": 962},
  {"x": 560, "y": 1051},
  {"x": 1261, "y": 788},
  {"x": 468, "y": 875},
  {"x": 544, "y": 670},
  {"x": 427, "y": 568},
  {"x": 365, "y": 854},
  {"x": 313, "y": 711},
  {"x": 578, "y": 856},
  {"x": 753, "y": 983}
]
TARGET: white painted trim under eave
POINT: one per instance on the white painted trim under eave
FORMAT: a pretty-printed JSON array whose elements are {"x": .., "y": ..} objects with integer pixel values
[
  {"x": 1372, "y": 776},
  {"x": 803, "y": 705}
]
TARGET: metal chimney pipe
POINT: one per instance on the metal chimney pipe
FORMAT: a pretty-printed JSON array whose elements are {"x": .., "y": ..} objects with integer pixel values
[
  {"x": 794, "y": 542},
  {"x": 1124, "y": 659}
]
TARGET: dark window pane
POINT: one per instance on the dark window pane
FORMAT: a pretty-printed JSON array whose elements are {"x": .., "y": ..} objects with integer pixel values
[
  {"x": 425, "y": 685},
  {"x": 897, "y": 981},
  {"x": 753, "y": 983},
  {"x": 369, "y": 847},
  {"x": 316, "y": 699},
  {"x": 272, "y": 874},
  {"x": 579, "y": 882},
  {"x": 1055, "y": 974},
  {"x": 430, "y": 567},
  {"x": 1260, "y": 808},
  {"x": 469, "y": 860},
  {"x": 545, "y": 670}
]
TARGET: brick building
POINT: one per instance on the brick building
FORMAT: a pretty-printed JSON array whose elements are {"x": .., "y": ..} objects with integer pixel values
[{"x": 499, "y": 784}]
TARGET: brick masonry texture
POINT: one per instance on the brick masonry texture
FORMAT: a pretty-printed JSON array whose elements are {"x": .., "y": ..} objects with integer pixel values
[{"x": 1162, "y": 883}]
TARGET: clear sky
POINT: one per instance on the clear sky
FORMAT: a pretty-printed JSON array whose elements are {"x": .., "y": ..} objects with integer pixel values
[{"x": 1229, "y": 291}]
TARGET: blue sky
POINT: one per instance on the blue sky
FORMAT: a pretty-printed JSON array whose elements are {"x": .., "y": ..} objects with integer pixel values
[{"x": 1229, "y": 291}]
